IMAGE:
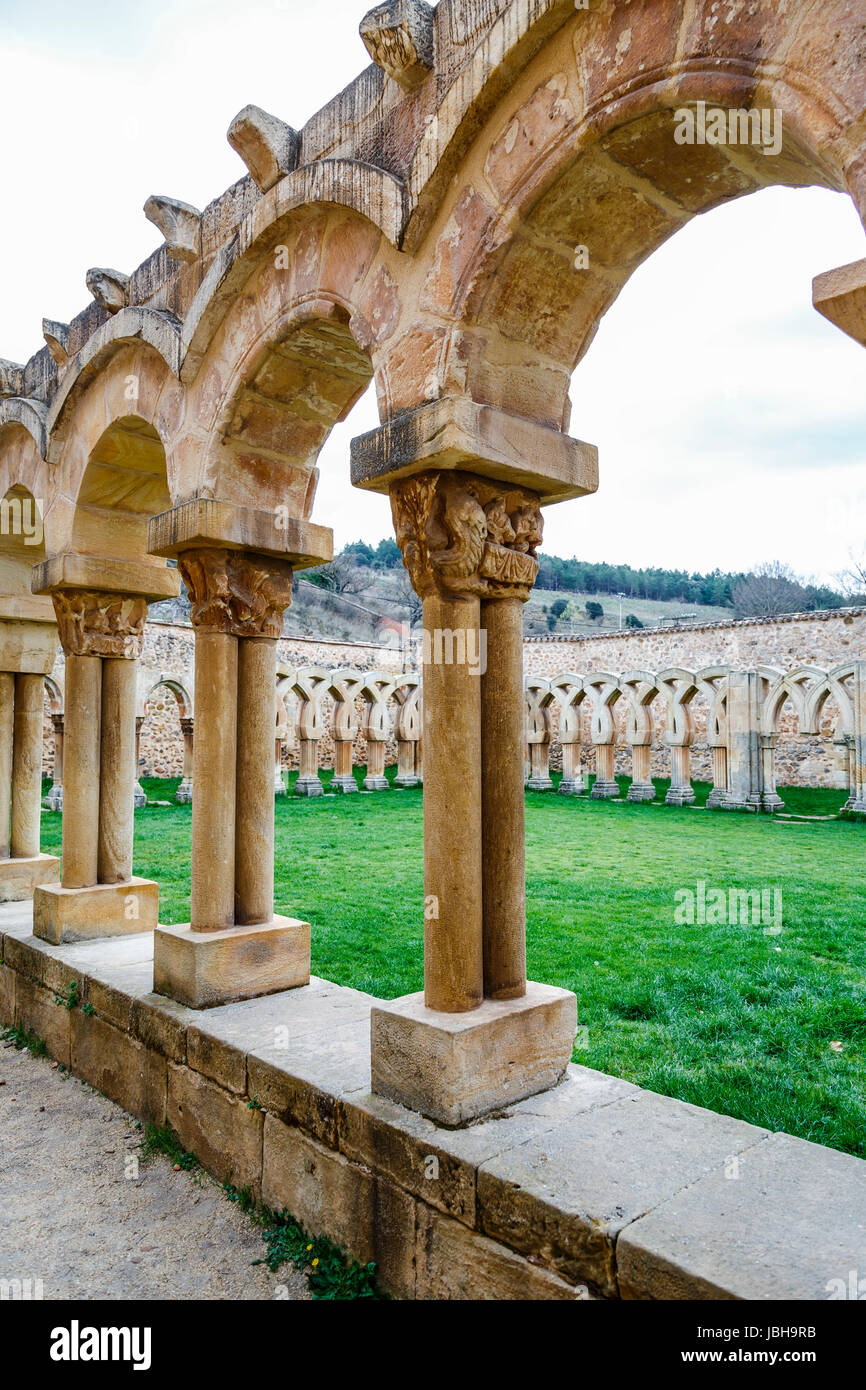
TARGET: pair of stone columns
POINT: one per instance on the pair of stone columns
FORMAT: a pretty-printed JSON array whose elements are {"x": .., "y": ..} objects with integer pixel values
[
  {"x": 465, "y": 483},
  {"x": 101, "y": 609},
  {"x": 28, "y": 641},
  {"x": 238, "y": 566}
]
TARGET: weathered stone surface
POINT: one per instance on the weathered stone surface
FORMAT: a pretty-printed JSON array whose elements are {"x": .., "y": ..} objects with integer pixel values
[
  {"x": 36, "y": 1012},
  {"x": 119, "y": 1066},
  {"x": 161, "y": 1024},
  {"x": 330, "y": 1196},
  {"x": 439, "y": 1165},
  {"x": 749, "y": 1230},
  {"x": 202, "y": 969},
  {"x": 19, "y": 877},
  {"x": 179, "y": 224},
  {"x": 7, "y": 994},
  {"x": 108, "y": 909},
  {"x": 840, "y": 295},
  {"x": 221, "y": 1130},
  {"x": 268, "y": 146},
  {"x": 567, "y": 1197},
  {"x": 455, "y": 1067},
  {"x": 453, "y": 1262}
]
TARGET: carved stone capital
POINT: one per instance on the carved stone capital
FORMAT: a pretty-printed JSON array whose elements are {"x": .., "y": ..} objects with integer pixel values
[
  {"x": 463, "y": 535},
  {"x": 236, "y": 592},
  {"x": 92, "y": 623}
]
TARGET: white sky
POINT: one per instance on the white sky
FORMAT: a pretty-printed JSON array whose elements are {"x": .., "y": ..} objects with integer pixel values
[{"x": 730, "y": 418}]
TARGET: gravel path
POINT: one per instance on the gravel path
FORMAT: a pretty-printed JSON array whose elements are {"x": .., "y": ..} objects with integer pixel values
[{"x": 81, "y": 1212}]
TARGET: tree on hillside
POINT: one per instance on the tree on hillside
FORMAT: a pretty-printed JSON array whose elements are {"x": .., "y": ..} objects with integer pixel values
[
  {"x": 631, "y": 620},
  {"x": 341, "y": 576},
  {"x": 594, "y": 611},
  {"x": 769, "y": 590}
]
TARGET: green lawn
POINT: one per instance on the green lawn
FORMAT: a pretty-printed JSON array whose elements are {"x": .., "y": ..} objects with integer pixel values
[{"x": 726, "y": 1016}]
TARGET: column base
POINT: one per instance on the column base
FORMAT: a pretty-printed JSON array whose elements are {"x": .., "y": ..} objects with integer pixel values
[
  {"x": 183, "y": 795},
  {"x": 83, "y": 914},
  {"x": 309, "y": 786},
  {"x": 604, "y": 791},
  {"x": 715, "y": 798},
  {"x": 54, "y": 800},
  {"x": 771, "y": 801},
  {"x": 641, "y": 791},
  {"x": 139, "y": 797},
  {"x": 572, "y": 786},
  {"x": 539, "y": 784},
  {"x": 680, "y": 796},
  {"x": 376, "y": 784},
  {"x": 407, "y": 781},
  {"x": 347, "y": 785},
  {"x": 19, "y": 878},
  {"x": 731, "y": 802},
  {"x": 455, "y": 1067},
  {"x": 205, "y": 968},
  {"x": 280, "y": 788}
]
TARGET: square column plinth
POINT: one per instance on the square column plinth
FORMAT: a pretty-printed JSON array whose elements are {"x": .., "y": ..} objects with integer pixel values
[
  {"x": 204, "y": 968},
  {"x": 19, "y": 878},
  {"x": 455, "y": 1067},
  {"x": 107, "y": 909}
]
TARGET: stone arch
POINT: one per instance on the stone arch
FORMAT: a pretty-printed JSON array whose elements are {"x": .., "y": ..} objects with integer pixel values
[
  {"x": 580, "y": 152},
  {"x": 111, "y": 451},
  {"x": 287, "y": 360}
]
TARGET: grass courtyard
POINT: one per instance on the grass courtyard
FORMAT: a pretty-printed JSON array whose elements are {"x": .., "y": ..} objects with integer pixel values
[{"x": 767, "y": 1027}]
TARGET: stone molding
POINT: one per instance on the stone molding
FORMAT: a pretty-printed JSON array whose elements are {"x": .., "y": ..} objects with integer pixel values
[{"x": 235, "y": 592}]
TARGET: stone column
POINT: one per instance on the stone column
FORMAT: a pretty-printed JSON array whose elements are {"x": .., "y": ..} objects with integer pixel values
[
  {"x": 280, "y": 788},
  {"x": 572, "y": 782},
  {"x": 377, "y": 690},
  {"x": 234, "y": 947},
  {"x": 538, "y": 730},
  {"x": 344, "y": 690},
  {"x": 27, "y": 765},
  {"x": 681, "y": 792},
  {"x": 858, "y": 760},
  {"x": 83, "y": 699},
  {"x": 101, "y": 631},
  {"x": 502, "y": 799},
  {"x": 54, "y": 799},
  {"x": 605, "y": 787},
  {"x": 720, "y": 777},
  {"x": 254, "y": 839},
  {"x": 139, "y": 795},
  {"x": 744, "y": 754},
  {"x": 453, "y": 944},
  {"x": 408, "y": 732},
  {"x": 468, "y": 543},
  {"x": 117, "y": 770},
  {"x": 642, "y": 787},
  {"x": 28, "y": 646},
  {"x": 569, "y": 694},
  {"x": 7, "y": 744},
  {"x": 310, "y": 687},
  {"x": 770, "y": 799},
  {"x": 184, "y": 791}
]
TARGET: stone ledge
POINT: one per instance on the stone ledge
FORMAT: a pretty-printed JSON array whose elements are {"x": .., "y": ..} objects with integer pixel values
[{"x": 592, "y": 1188}]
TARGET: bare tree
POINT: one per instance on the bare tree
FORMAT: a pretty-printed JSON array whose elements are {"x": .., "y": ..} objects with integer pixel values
[
  {"x": 769, "y": 590},
  {"x": 340, "y": 576},
  {"x": 852, "y": 581}
]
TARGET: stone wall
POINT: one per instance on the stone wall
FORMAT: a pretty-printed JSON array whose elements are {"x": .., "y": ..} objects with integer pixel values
[
  {"x": 825, "y": 639},
  {"x": 169, "y": 651}
]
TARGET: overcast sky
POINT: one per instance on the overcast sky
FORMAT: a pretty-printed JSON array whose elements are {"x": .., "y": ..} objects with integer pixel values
[{"x": 730, "y": 417}]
